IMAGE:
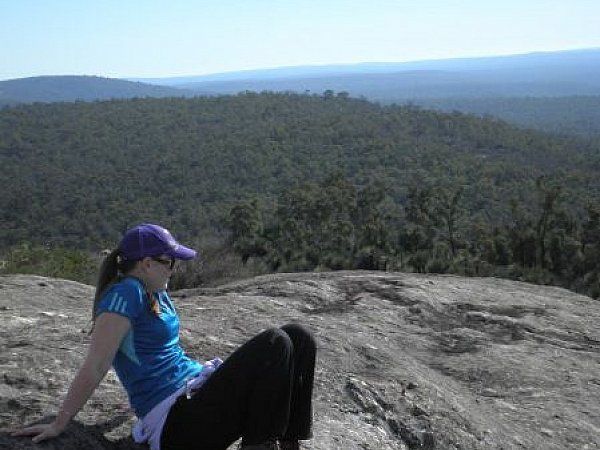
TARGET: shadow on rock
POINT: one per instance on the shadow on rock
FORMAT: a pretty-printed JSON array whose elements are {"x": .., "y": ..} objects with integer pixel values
[{"x": 77, "y": 436}]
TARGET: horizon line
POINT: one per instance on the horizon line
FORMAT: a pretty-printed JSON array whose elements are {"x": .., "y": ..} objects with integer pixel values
[{"x": 300, "y": 66}]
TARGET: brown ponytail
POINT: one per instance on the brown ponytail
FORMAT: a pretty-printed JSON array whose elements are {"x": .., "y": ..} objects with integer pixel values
[{"x": 111, "y": 271}]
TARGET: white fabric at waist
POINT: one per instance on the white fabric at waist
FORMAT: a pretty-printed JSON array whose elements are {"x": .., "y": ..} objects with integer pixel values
[{"x": 149, "y": 428}]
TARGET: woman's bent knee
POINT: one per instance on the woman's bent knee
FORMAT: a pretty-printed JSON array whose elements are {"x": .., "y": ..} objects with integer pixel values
[
  {"x": 299, "y": 333},
  {"x": 278, "y": 338}
]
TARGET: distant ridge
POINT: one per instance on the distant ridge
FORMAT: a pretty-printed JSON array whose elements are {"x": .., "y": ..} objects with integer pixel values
[
  {"x": 525, "y": 61},
  {"x": 67, "y": 88},
  {"x": 540, "y": 74}
]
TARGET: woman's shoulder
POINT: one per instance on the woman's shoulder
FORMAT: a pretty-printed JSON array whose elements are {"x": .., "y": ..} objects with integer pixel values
[
  {"x": 128, "y": 287},
  {"x": 125, "y": 296}
]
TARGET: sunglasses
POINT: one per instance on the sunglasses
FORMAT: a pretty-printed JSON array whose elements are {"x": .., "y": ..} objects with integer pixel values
[{"x": 170, "y": 263}]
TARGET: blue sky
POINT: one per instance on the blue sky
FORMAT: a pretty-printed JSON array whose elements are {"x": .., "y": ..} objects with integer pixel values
[{"x": 152, "y": 38}]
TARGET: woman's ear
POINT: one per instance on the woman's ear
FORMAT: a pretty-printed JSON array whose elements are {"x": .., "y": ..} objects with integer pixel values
[{"x": 145, "y": 263}]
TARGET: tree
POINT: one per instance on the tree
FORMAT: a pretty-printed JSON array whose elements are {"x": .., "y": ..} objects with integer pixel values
[
  {"x": 246, "y": 227},
  {"x": 522, "y": 236},
  {"x": 447, "y": 214},
  {"x": 549, "y": 199}
]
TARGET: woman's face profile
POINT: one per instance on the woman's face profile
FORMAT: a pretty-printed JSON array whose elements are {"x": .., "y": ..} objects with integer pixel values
[{"x": 157, "y": 272}]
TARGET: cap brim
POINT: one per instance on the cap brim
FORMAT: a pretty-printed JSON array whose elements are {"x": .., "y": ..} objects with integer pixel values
[{"x": 183, "y": 253}]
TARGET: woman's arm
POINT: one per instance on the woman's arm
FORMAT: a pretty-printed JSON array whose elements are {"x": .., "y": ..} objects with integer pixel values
[{"x": 109, "y": 331}]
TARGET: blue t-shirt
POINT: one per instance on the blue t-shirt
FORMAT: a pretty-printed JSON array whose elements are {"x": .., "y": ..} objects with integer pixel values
[{"x": 150, "y": 363}]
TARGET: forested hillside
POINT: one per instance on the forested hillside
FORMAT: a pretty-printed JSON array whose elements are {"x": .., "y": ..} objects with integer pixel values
[
  {"x": 572, "y": 115},
  {"x": 408, "y": 188}
]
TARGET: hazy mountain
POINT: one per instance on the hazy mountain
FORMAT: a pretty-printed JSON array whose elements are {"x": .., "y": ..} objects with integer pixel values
[
  {"x": 402, "y": 86},
  {"x": 575, "y": 72},
  {"x": 551, "y": 74},
  {"x": 571, "y": 60},
  {"x": 72, "y": 88}
]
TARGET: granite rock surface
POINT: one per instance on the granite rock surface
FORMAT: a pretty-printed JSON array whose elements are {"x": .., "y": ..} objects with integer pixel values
[{"x": 405, "y": 361}]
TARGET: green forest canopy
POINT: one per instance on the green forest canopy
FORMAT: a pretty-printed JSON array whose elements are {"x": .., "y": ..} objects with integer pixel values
[{"x": 78, "y": 174}]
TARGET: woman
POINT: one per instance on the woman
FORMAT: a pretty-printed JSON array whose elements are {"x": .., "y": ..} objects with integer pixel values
[{"x": 262, "y": 392}]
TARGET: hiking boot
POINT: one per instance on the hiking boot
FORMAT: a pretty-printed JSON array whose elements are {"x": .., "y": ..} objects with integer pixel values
[
  {"x": 289, "y": 445},
  {"x": 267, "y": 445}
]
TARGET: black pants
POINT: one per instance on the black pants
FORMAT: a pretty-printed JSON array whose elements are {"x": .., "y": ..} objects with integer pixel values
[{"x": 262, "y": 391}]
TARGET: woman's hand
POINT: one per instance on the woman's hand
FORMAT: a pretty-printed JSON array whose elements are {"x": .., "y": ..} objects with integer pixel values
[{"x": 40, "y": 432}]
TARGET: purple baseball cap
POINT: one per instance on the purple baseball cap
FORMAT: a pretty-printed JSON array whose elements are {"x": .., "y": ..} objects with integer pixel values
[{"x": 152, "y": 240}]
